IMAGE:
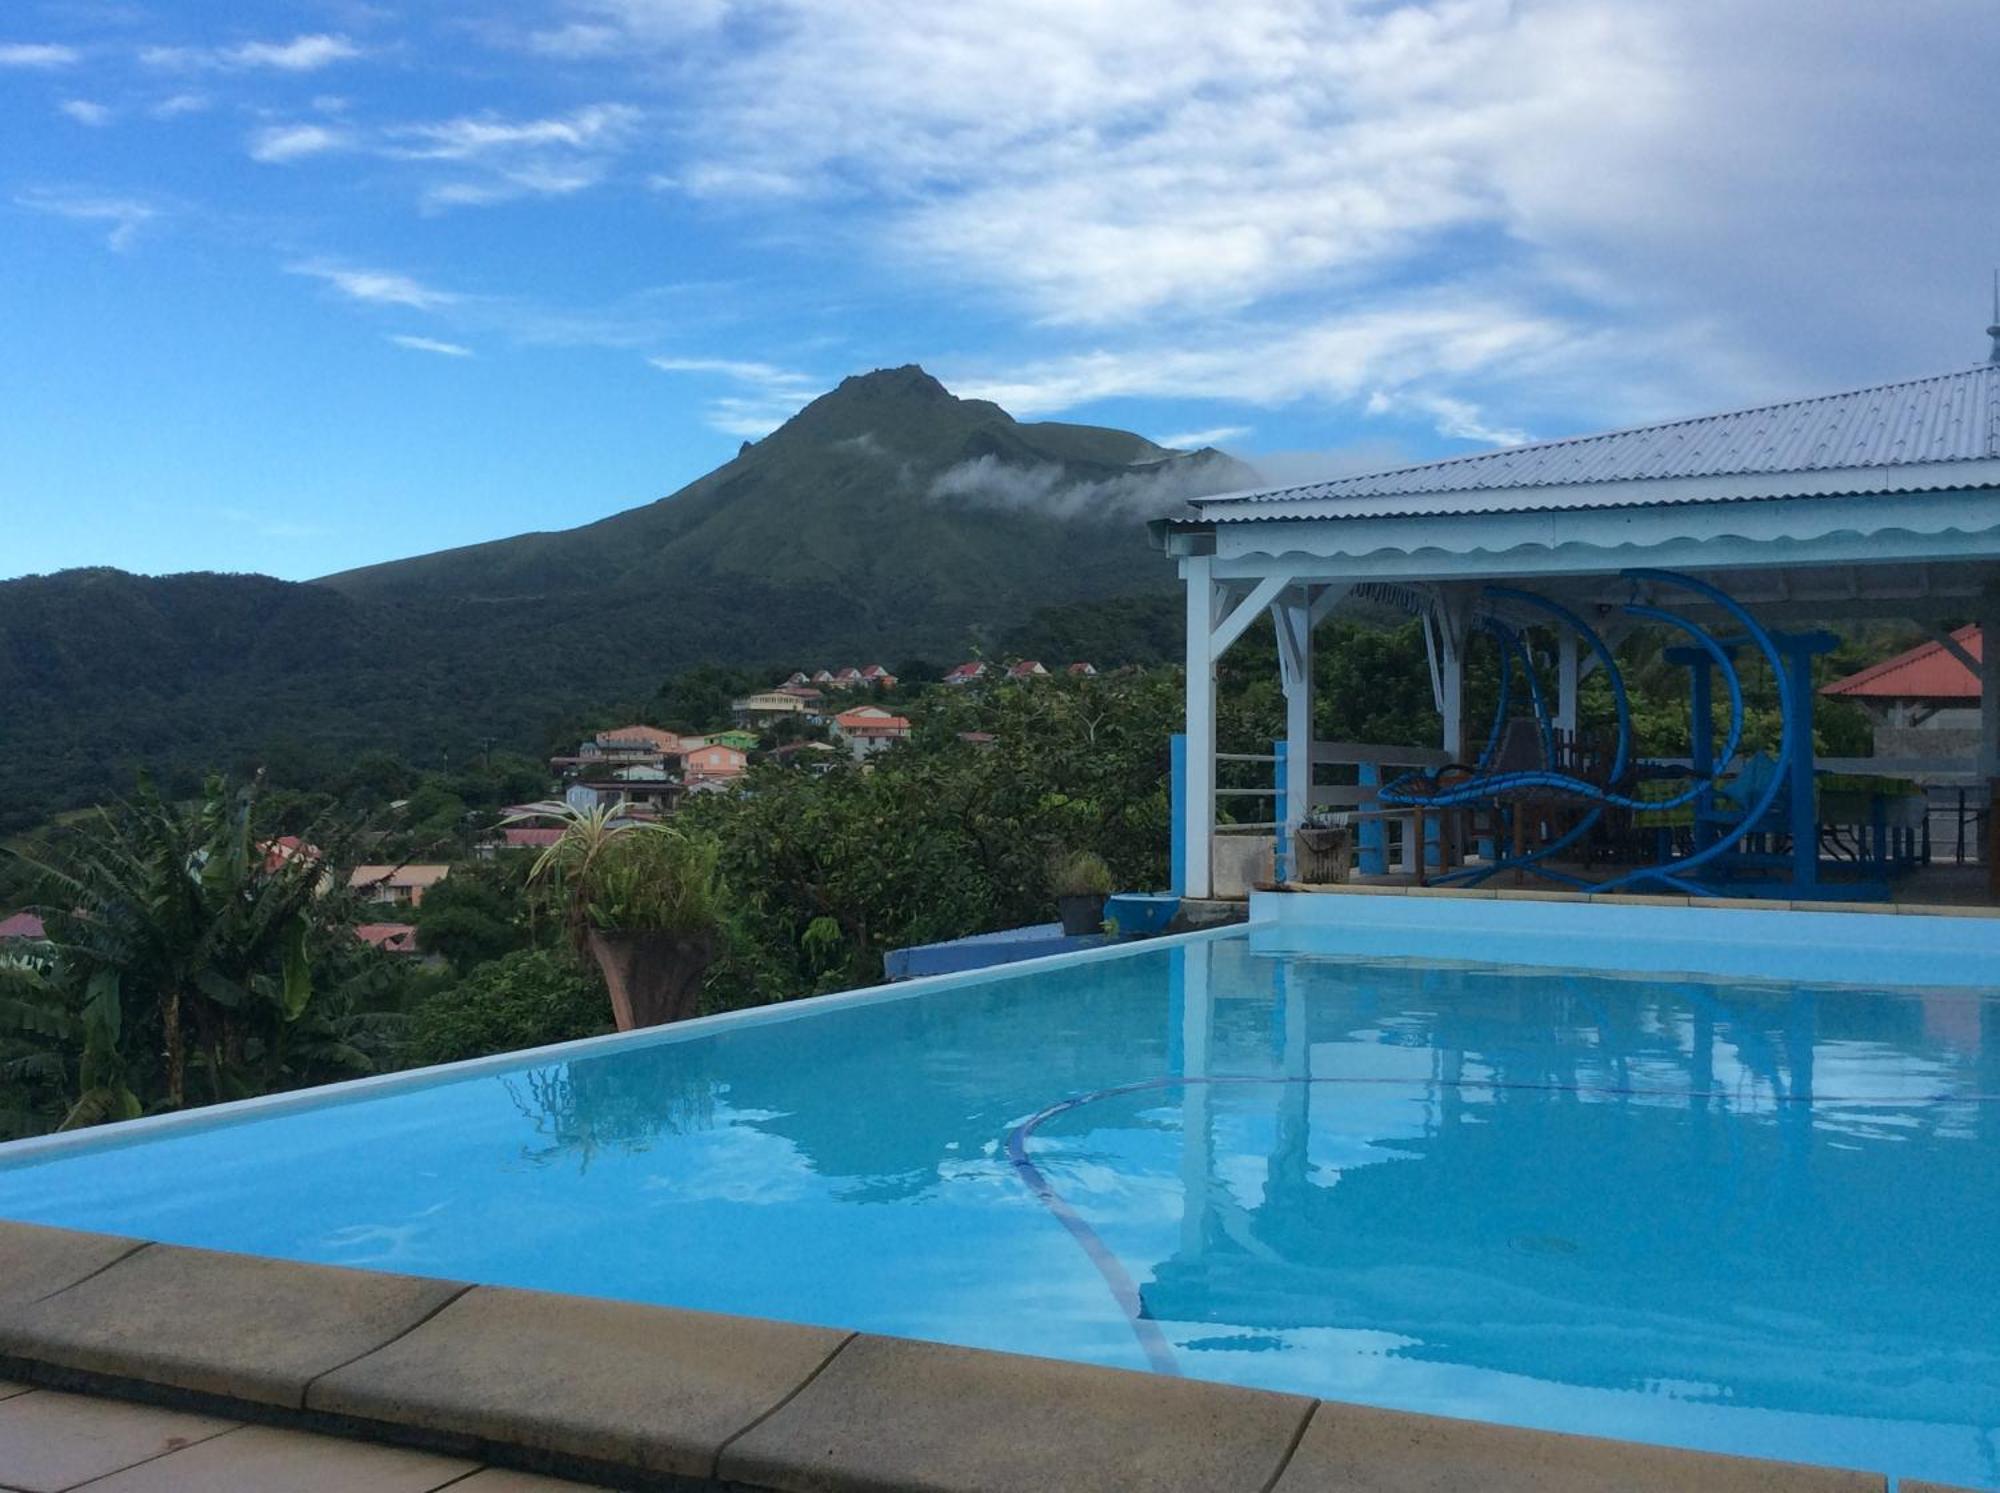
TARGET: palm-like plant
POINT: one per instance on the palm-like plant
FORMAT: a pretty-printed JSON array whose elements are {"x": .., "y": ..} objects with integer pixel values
[
  {"x": 644, "y": 900},
  {"x": 176, "y": 929}
]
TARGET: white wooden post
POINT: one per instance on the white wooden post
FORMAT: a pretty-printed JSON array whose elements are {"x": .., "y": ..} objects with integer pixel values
[
  {"x": 1451, "y": 683},
  {"x": 1200, "y": 805},
  {"x": 1294, "y": 619},
  {"x": 1451, "y": 687},
  {"x": 1569, "y": 677}
]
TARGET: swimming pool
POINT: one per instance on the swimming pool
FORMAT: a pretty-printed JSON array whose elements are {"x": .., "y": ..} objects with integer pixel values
[{"x": 1734, "y": 1214}]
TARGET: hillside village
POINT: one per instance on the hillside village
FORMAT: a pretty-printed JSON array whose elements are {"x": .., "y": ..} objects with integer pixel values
[{"x": 643, "y": 773}]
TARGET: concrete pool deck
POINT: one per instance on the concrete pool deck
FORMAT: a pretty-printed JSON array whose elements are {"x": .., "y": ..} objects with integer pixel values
[{"x": 647, "y": 1397}]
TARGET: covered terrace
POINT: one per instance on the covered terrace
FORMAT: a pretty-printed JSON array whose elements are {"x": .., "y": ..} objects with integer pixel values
[{"x": 1744, "y": 534}]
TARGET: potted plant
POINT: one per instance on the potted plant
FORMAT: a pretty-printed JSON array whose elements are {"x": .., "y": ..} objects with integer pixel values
[
  {"x": 1081, "y": 881},
  {"x": 643, "y": 900}
]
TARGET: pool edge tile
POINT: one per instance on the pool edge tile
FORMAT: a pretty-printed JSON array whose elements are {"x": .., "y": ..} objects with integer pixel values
[
  {"x": 235, "y": 1326},
  {"x": 1361, "y": 1449},
  {"x": 893, "y": 1413},
  {"x": 37, "y": 1261},
  {"x": 661, "y": 1390}
]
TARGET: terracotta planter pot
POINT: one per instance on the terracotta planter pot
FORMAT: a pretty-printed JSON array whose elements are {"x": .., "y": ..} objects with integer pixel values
[
  {"x": 1081, "y": 914},
  {"x": 654, "y": 978},
  {"x": 1321, "y": 854}
]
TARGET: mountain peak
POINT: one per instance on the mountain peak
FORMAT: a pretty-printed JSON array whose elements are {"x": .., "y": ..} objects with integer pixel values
[
  {"x": 908, "y": 381},
  {"x": 902, "y": 408}
]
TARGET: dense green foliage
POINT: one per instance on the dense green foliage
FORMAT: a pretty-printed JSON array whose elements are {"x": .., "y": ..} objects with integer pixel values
[
  {"x": 528, "y": 998},
  {"x": 477, "y": 914},
  {"x": 610, "y": 875},
  {"x": 185, "y": 960},
  {"x": 831, "y": 541},
  {"x": 940, "y": 837}
]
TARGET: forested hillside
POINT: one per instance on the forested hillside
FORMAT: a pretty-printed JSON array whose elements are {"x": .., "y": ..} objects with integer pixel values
[{"x": 887, "y": 519}]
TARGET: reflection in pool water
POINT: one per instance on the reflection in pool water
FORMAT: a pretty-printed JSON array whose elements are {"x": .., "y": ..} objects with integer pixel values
[{"x": 1757, "y": 1218}]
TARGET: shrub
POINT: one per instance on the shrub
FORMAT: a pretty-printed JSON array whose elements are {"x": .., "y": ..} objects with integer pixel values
[
  {"x": 1079, "y": 873},
  {"x": 526, "y": 999}
]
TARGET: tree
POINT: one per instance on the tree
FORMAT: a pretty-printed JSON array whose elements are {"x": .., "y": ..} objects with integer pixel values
[
  {"x": 478, "y": 913},
  {"x": 699, "y": 698},
  {"x": 179, "y": 940},
  {"x": 528, "y": 998}
]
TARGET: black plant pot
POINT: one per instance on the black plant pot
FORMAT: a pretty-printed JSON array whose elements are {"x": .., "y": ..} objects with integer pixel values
[{"x": 1081, "y": 914}]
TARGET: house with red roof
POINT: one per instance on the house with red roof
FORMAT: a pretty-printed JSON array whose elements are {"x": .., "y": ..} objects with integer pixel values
[
  {"x": 286, "y": 849},
  {"x": 1925, "y": 700},
  {"x": 1028, "y": 668},
  {"x": 22, "y": 925},
  {"x": 1080, "y": 670},
  {"x": 390, "y": 938},
  {"x": 970, "y": 672}
]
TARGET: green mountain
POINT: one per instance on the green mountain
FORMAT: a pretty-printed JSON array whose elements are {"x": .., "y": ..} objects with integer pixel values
[{"x": 887, "y": 518}]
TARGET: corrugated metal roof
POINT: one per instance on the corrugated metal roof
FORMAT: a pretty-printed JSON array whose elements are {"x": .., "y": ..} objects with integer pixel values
[
  {"x": 1926, "y": 672},
  {"x": 1804, "y": 447}
]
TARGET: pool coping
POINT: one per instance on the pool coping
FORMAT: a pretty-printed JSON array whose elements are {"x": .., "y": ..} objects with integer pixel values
[{"x": 654, "y": 1397}]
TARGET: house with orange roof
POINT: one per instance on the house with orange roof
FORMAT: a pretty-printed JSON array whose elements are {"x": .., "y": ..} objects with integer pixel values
[
  {"x": 714, "y": 762},
  {"x": 868, "y": 729},
  {"x": 400, "y": 885}
]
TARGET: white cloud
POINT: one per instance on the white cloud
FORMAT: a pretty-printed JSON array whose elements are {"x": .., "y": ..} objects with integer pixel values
[
  {"x": 1447, "y": 334},
  {"x": 376, "y": 287},
  {"x": 772, "y": 394},
  {"x": 471, "y": 137},
  {"x": 578, "y": 39},
  {"x": 125, "y": 215},
  {"x": 499, "y": 159},
  {"x": 176, "y": 105},
  {"x": 986, "y": 481},
  {"x": 1704, "y": 175},
  {"x": 86, "y": 112},
  {"x": 302, "y": 54},
  {"x": 431, "y": 345},
  {"x": 37, "y": 54},
  {"x": 1192, "y": 440},
  {"x": 281, "y": 143},
  {"x": 1458, "y": 419}
]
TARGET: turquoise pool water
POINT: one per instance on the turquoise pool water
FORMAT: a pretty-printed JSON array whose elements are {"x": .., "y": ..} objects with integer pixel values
[{"x": 1743, "y": 1216}]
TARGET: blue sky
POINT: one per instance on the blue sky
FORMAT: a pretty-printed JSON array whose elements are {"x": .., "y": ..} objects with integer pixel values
[{"x": 312, "y": 283}]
